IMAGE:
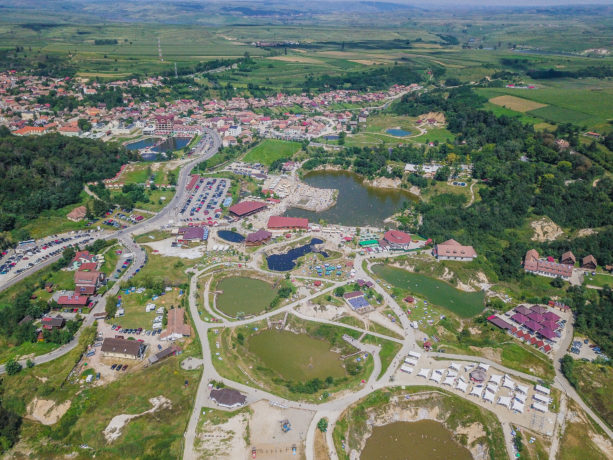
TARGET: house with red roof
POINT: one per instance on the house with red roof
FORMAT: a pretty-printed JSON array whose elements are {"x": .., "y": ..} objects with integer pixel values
[
  {"x": 397, "y": 239},
  {"x": 72, "y": 301},
  {"x": 247, "y": 208}
]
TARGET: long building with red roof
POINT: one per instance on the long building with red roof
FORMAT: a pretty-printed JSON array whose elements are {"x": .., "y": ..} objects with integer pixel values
[
  {"x": 280, "y": 222},
  {"x": 246, "y": 208}
]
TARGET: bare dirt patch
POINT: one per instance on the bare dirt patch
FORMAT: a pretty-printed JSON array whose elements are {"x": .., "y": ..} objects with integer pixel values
[
  {"x": 439, "y": 117},
  {"x": 366, "y": 61},
  {"x": 113, "y": 429},
  {"x": 585, "y": 232},
  {"x": 516, "y": 103},
  {"x": 493, "y": 354},
  {"x": 46, "y": 411},
  {"x": 266, "y": 433},
  {"x": 224, "y": 440},
  {"x": 545, "y": 230}
]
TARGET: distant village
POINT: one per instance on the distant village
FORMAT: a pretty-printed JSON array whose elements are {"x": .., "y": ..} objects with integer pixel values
[{"x": 237, "y": 120}]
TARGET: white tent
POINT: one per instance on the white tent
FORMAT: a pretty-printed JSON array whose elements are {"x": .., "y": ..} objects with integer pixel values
[
  {"x": 520, "y": 397},
  {"x": 504, "y": 401},
  {"x": 522, "y": 388},
  {"x": 496, "y": 379},
  {"x": 469, "y": 367},
  {"x": 407, "y": 369},
  {"x": 541, "y": 398},
  {"x": 452, "y": 374},
  {"x": 539, "y": 407},
  {"x": 489, "y": 397},
  {"x": 519, "y": 407},
  {"x": 455, "y": 367},
  {"x": 424, "y": 373},
  {"x": 485, "y": 367},
  {"x": 477, "y": 390},
  {"x": 437, "y": 377},
  {"x": 542, "y": 389},
  {"x": 462, "y": 385},
  {"x": 448, "y": 381},
  {"x": 414, "y": 354},
  {"x": 492, "y": 387},
  {"x": 508, "y": 383},
  {"x": 412, "y": 362}
]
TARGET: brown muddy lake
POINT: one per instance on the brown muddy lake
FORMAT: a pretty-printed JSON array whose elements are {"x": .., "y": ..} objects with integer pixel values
[{"x": 422, "y": 440}]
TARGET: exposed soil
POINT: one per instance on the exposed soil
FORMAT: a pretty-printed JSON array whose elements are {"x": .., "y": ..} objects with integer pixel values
[
  {"x": 46, "y": 411},
  {"x": 545, "y": 230},
  {"x": 113, "y": 429}
]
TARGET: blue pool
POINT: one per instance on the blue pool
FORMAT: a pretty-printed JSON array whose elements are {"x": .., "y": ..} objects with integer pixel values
[
  {"x": 398, "y": 132},
  {"x": 287, "y": 261},
  {"x": 232, "y": 237}
]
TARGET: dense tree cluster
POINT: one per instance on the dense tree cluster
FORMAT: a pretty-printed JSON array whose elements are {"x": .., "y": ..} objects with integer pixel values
[
  {"x": 48, "y": 172},
  {"x": 379, "y": 78},
  {"x": 594, "y": 314}
]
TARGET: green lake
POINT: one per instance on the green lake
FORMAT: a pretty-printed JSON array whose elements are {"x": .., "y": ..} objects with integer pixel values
[
  {"x": 241, "y": 294},
  {"x": 423, "y": 440},
  {"x": 296, "y": 356},
  {"x": 441, "y": 293},
  {"x": 357, "y": 204}
]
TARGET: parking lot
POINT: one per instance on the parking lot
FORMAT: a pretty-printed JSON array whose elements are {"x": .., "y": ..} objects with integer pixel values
[
  {"x": 204, "y": 202},
  {"x": 31, "y": 253},
  {"x": 582, "y": 348}
]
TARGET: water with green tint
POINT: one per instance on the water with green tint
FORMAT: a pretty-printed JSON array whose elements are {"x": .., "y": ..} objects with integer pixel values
[
  {"x": 357, "y": 204},
  {"x": 465, "y": 304},
  {"x": 243, "y": 295},
  {"x": 423, "y": 440},
  {"x": 296, "y": 357}
]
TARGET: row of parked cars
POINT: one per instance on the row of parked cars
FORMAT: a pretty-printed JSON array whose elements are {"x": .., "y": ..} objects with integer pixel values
[
  {"x": 136, "y": 331},
  {"x": 119, "y": 367},
  {"x": 8, "y": 262}
]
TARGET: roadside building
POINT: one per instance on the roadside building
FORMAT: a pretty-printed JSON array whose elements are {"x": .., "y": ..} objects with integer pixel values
[
  {"x": 122, "y": 348},
  {"x": 86, "y": 282},
  {"x": 188, "y": 234},
  {"x": 53, "y": 322},
  {"x": 247, "y": 208},
  {"x": 258, "y": 238},
  {"x": 286, "y": 223},
  {"x": 72, "y": 301},
  {"x": 165, "y": 353},
  {"x": 228, "y": 397},
  {"x": 176, "y": 328},
  {"x": 452, "y": 250}
]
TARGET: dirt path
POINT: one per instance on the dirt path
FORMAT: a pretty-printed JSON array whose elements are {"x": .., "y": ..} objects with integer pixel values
[{"x": 472, "y": 195}]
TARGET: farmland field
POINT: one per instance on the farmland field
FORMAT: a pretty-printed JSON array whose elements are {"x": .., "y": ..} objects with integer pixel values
[
  {"x": 516, "y": 103},
  {"x": 270, "y": 150}
]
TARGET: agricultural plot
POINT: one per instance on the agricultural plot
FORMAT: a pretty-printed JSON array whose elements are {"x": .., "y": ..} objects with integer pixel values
[{"x": 516, "y": 103}]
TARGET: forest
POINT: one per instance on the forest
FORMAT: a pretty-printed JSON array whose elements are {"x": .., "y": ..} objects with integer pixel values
[{"x": 48, "y": 172}]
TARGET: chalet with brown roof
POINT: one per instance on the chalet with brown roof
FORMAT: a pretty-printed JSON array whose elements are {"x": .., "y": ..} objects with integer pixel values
[
  {"x": 568, "y": 258},
  {"x": 50, "y": 322},
  {"x": 122, "y": 348},
  {"x": 589, "y": 262},
  {"x": 452, "y": 250},
  {"x": 86, "y": 282},
  {"x": 77, "y": 214}
]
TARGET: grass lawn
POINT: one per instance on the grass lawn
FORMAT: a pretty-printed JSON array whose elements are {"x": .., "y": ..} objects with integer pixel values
[
  {"x": 434, "y": 135},
  {"x": 595, "y": 385},
  {"x": 25, "y": 349},
  {"x": 54, "y": 221},
  {"x": 599, "y": 280},
  {"x": 155, "y": 235},
  {"x": 134, "y": 307},
  {"x": 171, "y": 270},
  {"x": 387, "y": 352},
  {"x": 60, "y": 279},
  {"x": 92, "y": 408},
  {"x": 158, "y": 199},
  {"x": 270, "y": 150},
  {"x": 577, "y": 442}
]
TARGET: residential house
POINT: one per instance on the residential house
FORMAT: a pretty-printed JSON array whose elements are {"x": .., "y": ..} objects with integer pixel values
[
  {"x": 546, "y": 267},
  {"x": 86, "y": 282},
  {"x": 53, "y": 322},
  {"x": 176, "y": 328},
  {"x": 228, "y": 397},
  {"x": 568, "y": 258}
]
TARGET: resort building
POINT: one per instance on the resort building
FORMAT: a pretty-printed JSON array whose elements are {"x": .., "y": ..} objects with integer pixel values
[
  {"x": 287, "y": 223},
  {"x": 247, "y": 208},
  {"x": 452, "y": 250},
  {"x": 396, "y": 239},
  {"x": 258, "y": 238},
  {"x": 227, "y": 397},
  {"x": 546, "y": 267},
  {"x": 176, "y": 329}
]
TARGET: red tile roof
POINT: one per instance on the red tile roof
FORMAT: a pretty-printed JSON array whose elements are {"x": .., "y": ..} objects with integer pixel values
[
  {"x": 247, "y": 207},
  {"x": 397, "y": 237},
  {"x": 287, "y": 222},
  {"x": 72, "y": 300}
]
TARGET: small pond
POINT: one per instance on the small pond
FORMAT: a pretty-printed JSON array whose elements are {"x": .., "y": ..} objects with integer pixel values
[
  {"x": 398, "y": 132},
  {"x": 230, "y": 236},
  {"x": 287, "y": 261},
  {"x": 422, "y": 440}
]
